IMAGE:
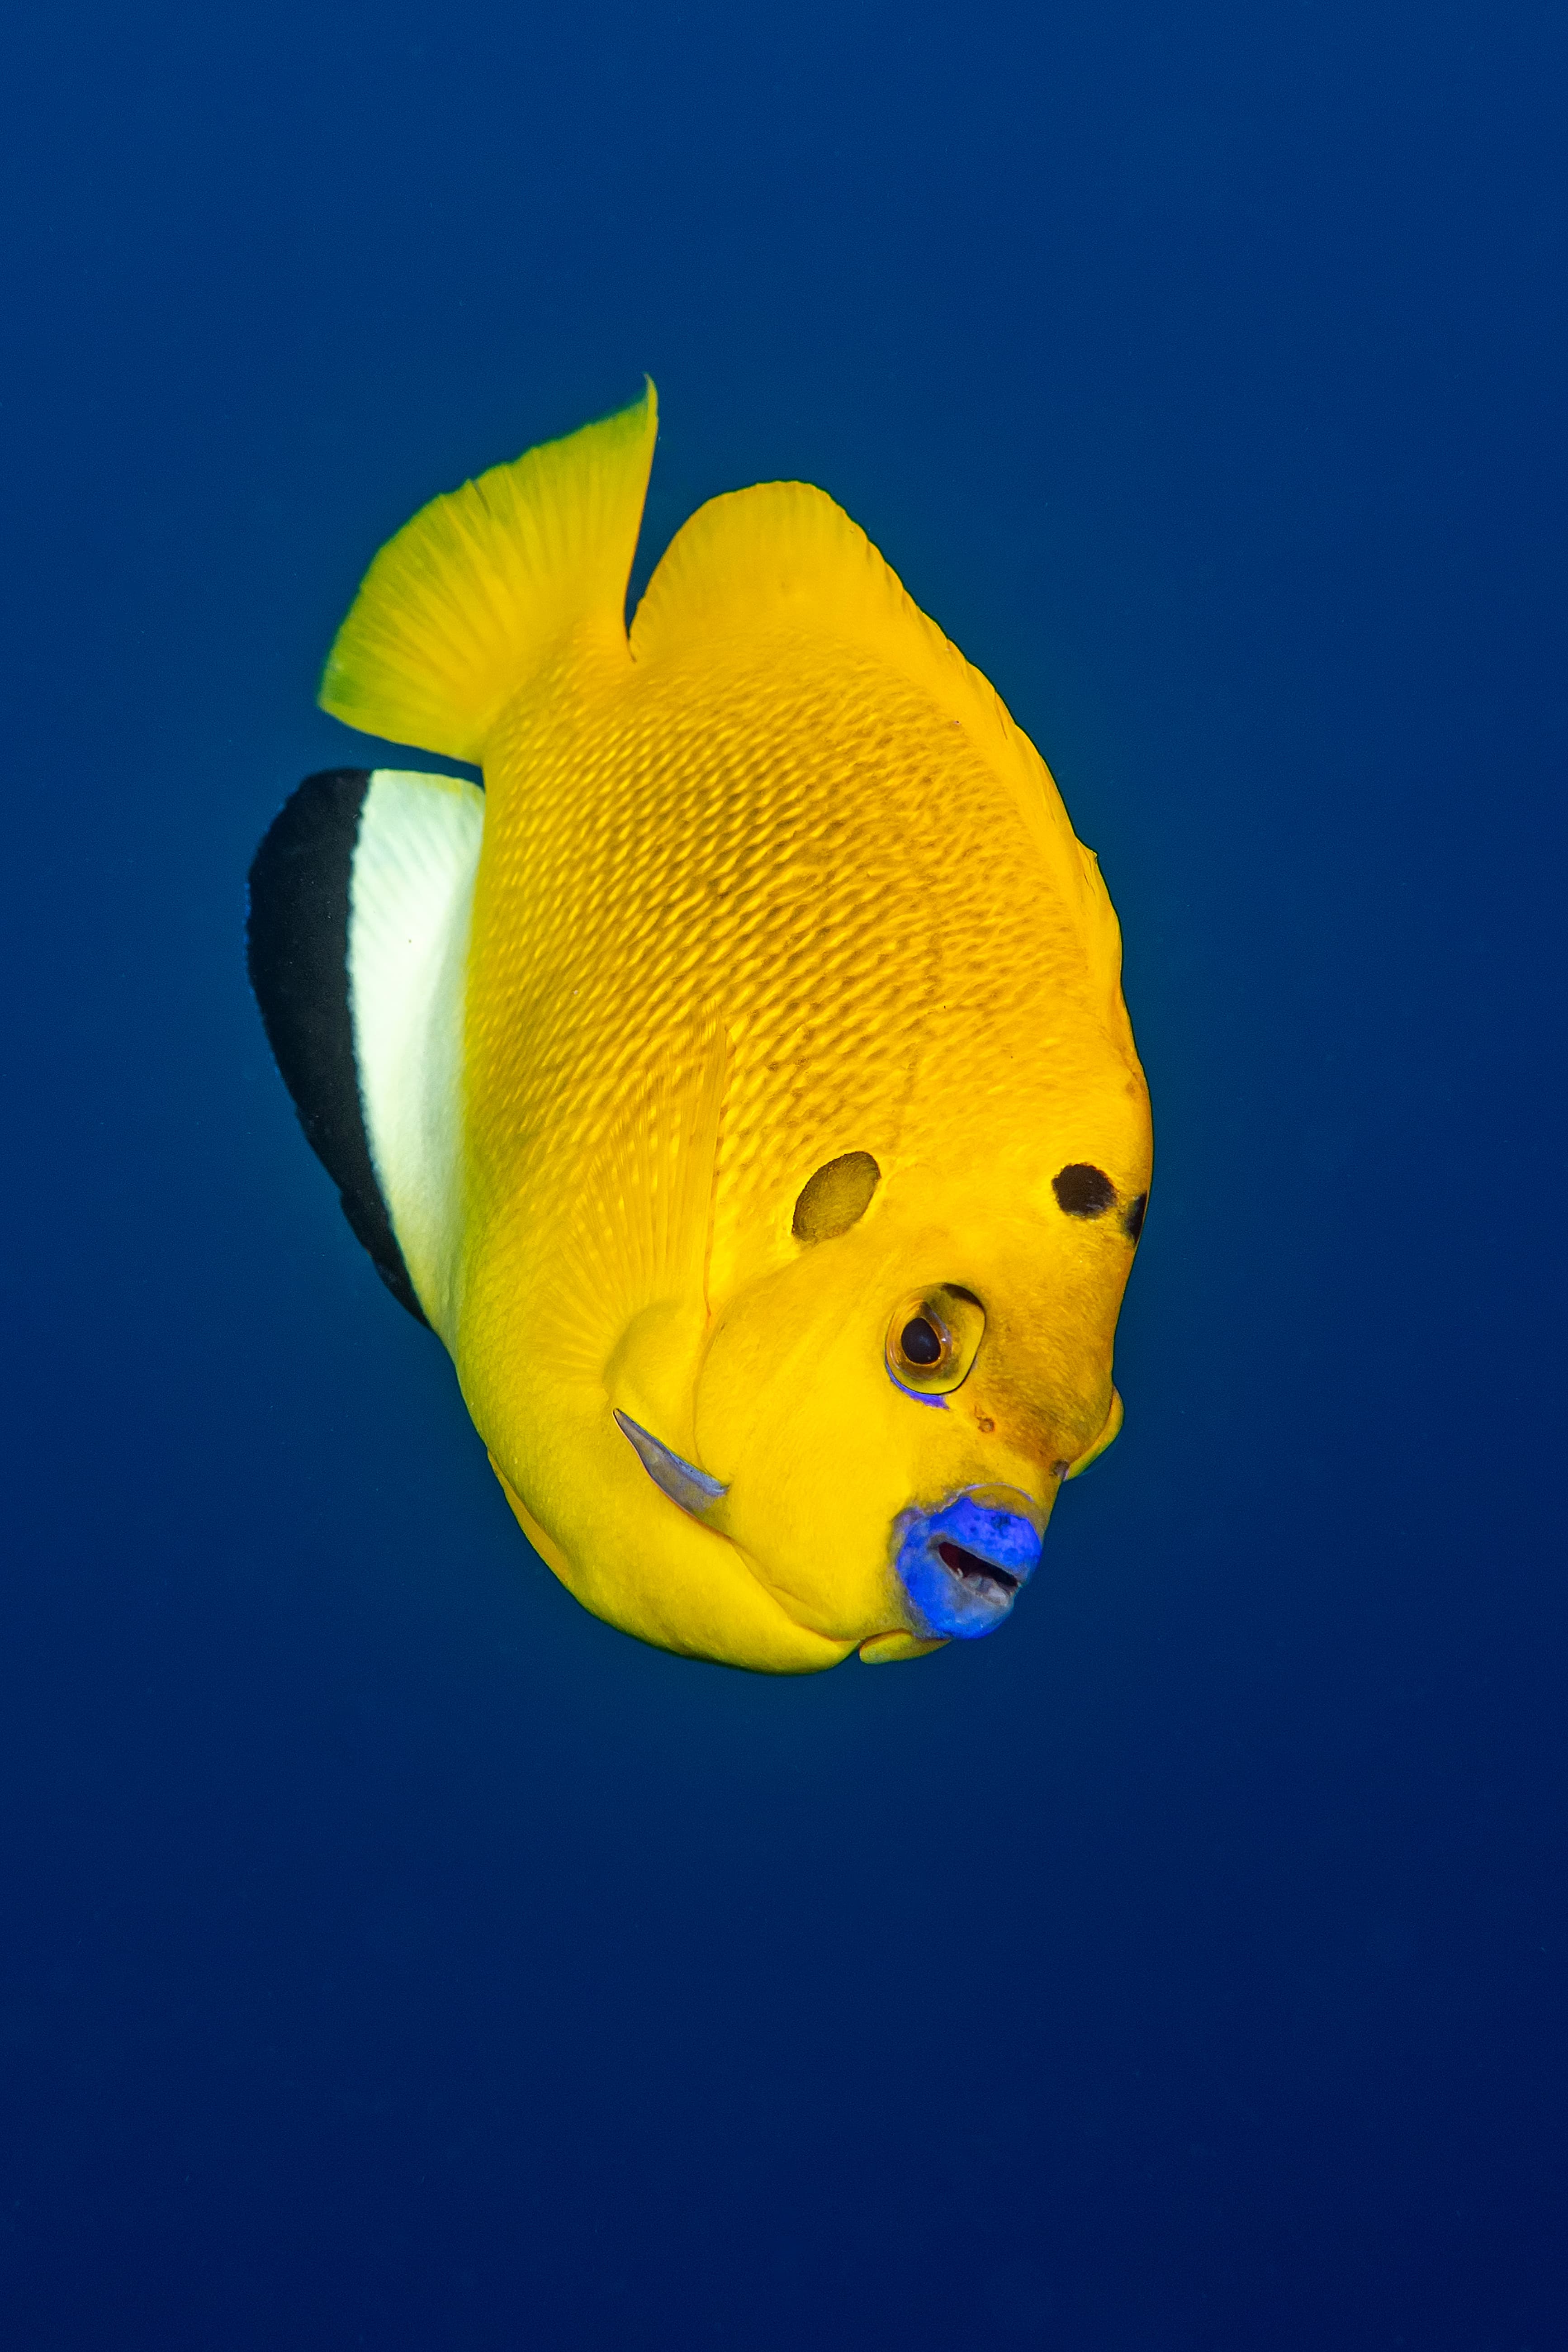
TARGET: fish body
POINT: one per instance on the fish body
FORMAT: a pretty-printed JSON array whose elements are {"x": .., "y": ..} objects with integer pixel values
[{"x": 744, "y": 1076}]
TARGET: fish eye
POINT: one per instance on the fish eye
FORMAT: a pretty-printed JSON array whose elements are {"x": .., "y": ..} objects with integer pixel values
[
  {"x": 920, "y": 1341},
  {"x": 933, "y": 1338}
]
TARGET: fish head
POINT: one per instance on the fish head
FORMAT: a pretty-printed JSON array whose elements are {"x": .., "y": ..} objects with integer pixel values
[{"x": 891, "y": 1416}]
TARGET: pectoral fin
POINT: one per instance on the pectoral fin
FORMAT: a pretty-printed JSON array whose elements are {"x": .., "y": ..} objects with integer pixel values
[{"x": 698, "y": 1494}]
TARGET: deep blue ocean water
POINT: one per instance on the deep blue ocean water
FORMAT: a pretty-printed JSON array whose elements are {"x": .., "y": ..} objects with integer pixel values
[{"x": 392, "y": 1956}]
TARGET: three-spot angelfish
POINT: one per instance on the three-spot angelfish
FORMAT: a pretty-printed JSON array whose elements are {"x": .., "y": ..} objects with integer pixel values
[{"x": 740, "y": 1084}]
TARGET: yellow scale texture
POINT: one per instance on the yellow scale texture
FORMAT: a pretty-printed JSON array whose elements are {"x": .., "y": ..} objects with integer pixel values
[{"x": 783, "y": 836}]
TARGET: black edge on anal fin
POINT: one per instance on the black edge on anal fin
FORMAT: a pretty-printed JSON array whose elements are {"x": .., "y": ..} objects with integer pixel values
[{"x": 296, "y": 952}]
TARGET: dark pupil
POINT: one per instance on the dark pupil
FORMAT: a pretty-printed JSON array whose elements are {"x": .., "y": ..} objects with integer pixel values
[{"x": 920, "y": 1342}]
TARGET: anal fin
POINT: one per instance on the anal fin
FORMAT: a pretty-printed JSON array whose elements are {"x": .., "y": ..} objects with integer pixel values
[
  {"x": 356, "y": 941},
  {"x": 297, "y": 952}
]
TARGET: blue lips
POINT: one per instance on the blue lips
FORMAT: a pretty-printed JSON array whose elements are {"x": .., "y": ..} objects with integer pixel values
[{"x": 965, "y": 1565}]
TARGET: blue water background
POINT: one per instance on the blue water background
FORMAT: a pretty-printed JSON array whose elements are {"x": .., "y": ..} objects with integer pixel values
[{"x": 393, "y": 1956}]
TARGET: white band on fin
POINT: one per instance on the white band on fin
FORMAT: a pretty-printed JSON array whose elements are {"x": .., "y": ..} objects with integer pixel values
[{"x": 411, "y": 902}]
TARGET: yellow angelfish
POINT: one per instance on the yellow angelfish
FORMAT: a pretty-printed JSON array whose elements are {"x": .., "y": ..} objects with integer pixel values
[{"x": 741, "y": 1084}]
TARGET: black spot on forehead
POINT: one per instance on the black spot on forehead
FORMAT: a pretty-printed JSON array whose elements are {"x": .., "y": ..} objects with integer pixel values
[
  {"x": 1132, "y": 1223},
  {"x": 1082, "y": 1190},
  {"x": 836, "y": 1198}
]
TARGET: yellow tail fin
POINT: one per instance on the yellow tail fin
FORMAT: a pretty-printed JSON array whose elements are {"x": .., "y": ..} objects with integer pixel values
[{"x": 472, "y": 593}]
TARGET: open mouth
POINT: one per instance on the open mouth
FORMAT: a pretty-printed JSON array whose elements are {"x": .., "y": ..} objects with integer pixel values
[
  {"x": 964, "y": 1564},
  {"x": 977, "y": 1573}
]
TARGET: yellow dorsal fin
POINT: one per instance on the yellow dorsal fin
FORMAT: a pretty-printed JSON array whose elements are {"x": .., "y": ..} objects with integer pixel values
[
  {"x": 784, "y": 555},
  {"x": 475, "y": 590}
]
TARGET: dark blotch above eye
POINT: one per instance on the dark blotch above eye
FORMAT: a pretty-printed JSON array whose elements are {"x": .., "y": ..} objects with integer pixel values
[
  {"x": 920, "y": 1342},
  {"x": 1082, "y": 1190},
  {"x": 836, "y": 1198},
  {"x": 1132, "y": 1223}
]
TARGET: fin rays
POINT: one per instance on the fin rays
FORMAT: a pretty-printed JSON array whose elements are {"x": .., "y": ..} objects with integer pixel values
[{"x": 475, "y": 590}]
